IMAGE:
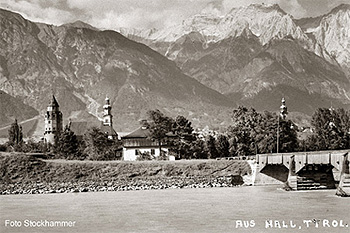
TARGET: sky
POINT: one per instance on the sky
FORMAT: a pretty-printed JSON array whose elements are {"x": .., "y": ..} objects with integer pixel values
[{"x": 112, "y": 14}]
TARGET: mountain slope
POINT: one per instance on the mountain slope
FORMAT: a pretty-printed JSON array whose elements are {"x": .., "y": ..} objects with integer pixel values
[
  {"x": 82, "y": 66},
  {"x": 12, "y": 108},
  {"x": 242, "y": 67}
]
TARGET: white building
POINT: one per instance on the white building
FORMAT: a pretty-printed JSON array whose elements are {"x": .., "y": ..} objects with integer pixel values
[{"x": 137, "y": 142}]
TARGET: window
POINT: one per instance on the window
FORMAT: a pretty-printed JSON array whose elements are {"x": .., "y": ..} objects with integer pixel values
[{"x": 153, "y": 151}]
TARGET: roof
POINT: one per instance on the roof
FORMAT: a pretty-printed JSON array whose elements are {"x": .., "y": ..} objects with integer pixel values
[
  {"x": 79, "y": 128},
  {"x": 141, "y": 132},
  {"x": 54, "y": 101}
]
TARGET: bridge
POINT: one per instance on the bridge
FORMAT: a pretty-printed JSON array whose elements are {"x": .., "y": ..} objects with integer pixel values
[{"x": 305, "y": 170}]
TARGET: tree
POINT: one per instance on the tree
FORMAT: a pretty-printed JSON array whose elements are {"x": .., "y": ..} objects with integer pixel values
[
  {"x": 253, "y": 132},
  {"x": 266, "y": 136},
  {"x": 184, "y": 137},
  {"x": 246, "y": 131},
  {"x": 210, "y": 145},
  {"x": 331, "y": 129},
  {"x": 15, "y": 135},
  {"x": 222, "y": 146},
  {"x": 32, "y": 146},
  {"x": 99, "y": 147},
  {"x": 288, "y": 137},
  {"x": 67, "y": 145},
  {"x": 198, "y": 150},
  {"x": 159, "y": 126}
]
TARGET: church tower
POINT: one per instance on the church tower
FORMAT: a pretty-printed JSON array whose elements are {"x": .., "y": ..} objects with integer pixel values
[
  {"x": 107, "y": 115},
  {"x": 53, "y": 122},
  {"x": 283, "y": 109},
  {"x": 107, "y": 123}
]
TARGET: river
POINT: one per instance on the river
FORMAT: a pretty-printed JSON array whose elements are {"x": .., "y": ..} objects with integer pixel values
[{"x": 260, "y": 209}]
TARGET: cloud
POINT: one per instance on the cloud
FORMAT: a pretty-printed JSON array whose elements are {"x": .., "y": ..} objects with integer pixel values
[
  {"x": 111, "y": 14},
  {"x": 137, "y": 13},
  {"x": 35, "y": 11},
  {"x": 214, "y": 7}
]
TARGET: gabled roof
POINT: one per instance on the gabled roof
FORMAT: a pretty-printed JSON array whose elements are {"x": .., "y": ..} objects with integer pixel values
[{"x": 141, "y": 132}]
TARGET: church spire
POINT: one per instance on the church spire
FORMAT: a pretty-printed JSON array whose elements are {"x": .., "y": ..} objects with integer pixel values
[
  {"x": 107, "y": 124},
  {"x": 107, "y": 115},
  {"x": 283, "y": 109},
  {"x": 54, "y": 102}
]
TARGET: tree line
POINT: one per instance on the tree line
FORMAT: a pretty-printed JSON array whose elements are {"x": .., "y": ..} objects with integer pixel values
[
  {"x": 94, "y": 145},
  {"x": 250, "y": 132}
]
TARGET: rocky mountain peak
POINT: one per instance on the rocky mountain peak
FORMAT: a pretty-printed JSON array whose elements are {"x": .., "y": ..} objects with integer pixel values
[
  {"x": 262, "y": 8},
  {"x": 341, "y": 7},
  {"x": 264, "y": 21},
  {"x": 80, "y": 24},
  {"x": 333, "y": 33}
]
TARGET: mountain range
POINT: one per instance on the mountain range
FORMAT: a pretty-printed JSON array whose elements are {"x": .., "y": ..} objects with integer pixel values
[
  {"x": 201, "y": 69},
  {"x": 254, "y": 52},
  {"x": 81, "y": 65}
]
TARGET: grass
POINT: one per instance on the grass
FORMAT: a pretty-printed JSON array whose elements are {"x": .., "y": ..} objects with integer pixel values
[{"x": 22, "y": 168}]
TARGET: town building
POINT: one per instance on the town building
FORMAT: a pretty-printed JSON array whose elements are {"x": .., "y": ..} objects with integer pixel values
[
  {"x": 53, "y": 122},
  {"x": 138, "y": 142}
]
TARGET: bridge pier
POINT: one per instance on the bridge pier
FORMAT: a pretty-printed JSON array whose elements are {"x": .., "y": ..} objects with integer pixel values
[
  {"x": 343, "y": 188},
  {"x": 292, "y": 182},
  {"x": 304, "y": 171}
]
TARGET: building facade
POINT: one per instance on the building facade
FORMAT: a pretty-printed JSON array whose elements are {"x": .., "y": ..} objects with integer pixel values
[{"x": 53, "y": 122}]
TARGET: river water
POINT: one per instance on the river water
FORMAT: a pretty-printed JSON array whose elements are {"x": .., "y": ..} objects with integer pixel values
[{"x": 260, "y": 209}]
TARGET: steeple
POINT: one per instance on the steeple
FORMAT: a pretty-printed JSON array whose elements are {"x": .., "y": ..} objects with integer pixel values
[
  {"x": 107, "y": 124},
  {"x": 54, "y": 102},
  {"x": 107, "y": 115},
  {"x": 283, "y": 109}
]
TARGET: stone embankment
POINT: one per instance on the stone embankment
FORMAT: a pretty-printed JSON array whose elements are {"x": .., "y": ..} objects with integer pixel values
[
  {"x": 69, "y": 187},
  {"x": 24, "y": 174}
]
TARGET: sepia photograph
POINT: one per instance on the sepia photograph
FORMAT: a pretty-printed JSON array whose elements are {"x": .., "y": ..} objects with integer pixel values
[{"x": 175, "y": 116}]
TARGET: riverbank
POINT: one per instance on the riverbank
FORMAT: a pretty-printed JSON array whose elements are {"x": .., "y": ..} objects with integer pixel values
[{"x": 27, "y": 174}]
